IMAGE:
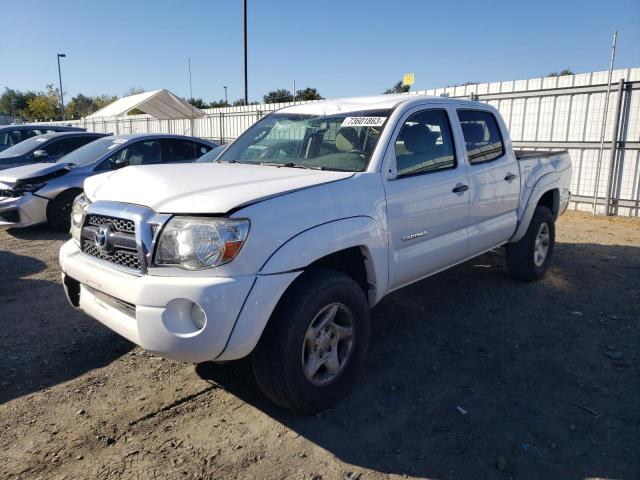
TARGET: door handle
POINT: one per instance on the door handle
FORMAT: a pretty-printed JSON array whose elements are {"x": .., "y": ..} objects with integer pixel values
[
  {"x": 510, "y": 177},
  {"x": 460, "y": 188}
]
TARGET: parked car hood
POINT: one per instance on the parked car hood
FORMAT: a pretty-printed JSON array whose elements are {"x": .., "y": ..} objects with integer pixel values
[
  {"x": 10, "y": 176},
  {"x": 202, "y": 188}
]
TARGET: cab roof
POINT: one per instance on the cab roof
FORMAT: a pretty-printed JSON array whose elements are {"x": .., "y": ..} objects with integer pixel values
[{"x": 376, "y": 102}]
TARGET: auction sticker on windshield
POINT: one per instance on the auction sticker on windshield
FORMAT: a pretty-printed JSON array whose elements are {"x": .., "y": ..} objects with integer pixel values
[
  {"x": 363, "y": 121},
  {"x": 116, "y": 142}
]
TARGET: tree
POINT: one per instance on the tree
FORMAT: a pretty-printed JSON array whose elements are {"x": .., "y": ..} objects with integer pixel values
[
  {"x": 102, "y": 101},
  {"x": 566, "y": 71},
  {"x": 82, "y": 105},
  {"x": 134, "y": 91},
  {"x": 239, "y": 102},
  {"x": 45, "y": 105},
  {"x": 278, "y": 96},
  {"x": 219, "y": 104},
  {"x": 14, "y": 102},
  {"x": 308, "y": 94},
  {"x": 79, "y": 106},
  {"x": 198, "y": 103},
  {"x": 398, "y": 88}
]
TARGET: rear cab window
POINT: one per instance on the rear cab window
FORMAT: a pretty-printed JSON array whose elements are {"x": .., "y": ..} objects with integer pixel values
[{"x": 481, "y": 135}]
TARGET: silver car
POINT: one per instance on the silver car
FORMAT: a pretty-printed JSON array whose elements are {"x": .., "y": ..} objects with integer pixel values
[{"x": 44, "y": 192}]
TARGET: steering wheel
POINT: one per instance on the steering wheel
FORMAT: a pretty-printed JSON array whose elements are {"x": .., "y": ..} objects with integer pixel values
[{"x": 286, "y": 149}]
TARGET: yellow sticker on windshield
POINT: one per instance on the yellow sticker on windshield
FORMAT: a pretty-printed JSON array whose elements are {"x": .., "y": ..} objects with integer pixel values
[{"x": 363, "y": 121}]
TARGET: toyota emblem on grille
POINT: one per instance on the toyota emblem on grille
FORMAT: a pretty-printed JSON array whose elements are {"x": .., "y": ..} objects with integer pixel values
[{"x": 102, "y": 237}]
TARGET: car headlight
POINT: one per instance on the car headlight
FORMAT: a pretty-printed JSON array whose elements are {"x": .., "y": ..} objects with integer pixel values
[
  {"x": 21, "y": 189},
  {"x": 197, "y": 243},
  {"x": 78, "y": 212}
]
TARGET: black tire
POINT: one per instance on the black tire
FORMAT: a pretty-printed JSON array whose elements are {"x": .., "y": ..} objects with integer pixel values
[
  {"x": 59, "y": 210},
  {"x": 277, "y": 360},
  {"x": 520, "y": 255}
]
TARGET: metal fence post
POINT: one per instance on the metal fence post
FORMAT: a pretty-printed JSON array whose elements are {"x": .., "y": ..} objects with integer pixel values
[
  {"x": 614, "y": 147},
  {"x": 221, "y": 127}
]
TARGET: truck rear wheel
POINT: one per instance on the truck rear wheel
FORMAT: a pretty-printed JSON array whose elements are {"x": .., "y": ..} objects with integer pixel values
[
  {"x": 528, "y": 259},
  {"x": 314, "y": 346}
]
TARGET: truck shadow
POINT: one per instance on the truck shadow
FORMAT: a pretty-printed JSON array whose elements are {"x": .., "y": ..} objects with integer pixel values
[
  {"x": 473, "y": 375},
  {"x": 43, "y": 341}
]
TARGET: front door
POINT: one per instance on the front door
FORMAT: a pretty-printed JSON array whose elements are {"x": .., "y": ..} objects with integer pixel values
[{"x": 428, "y": 200}]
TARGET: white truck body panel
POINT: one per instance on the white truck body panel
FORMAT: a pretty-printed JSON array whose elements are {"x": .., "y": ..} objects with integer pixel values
[{"x": 406, "y": 228}]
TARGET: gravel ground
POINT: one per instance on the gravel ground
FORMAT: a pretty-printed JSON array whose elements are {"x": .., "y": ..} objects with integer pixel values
[{"x": 469, "y": 375}]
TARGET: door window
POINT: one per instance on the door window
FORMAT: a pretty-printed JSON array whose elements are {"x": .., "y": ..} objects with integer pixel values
[
  {"x": 425, "y": 144},
  {"x": 182, "y": 150},
  {"x": 139, "y": 153},
  {"x": 481, "y": 135},
  {"x": 61, "y": 147}
]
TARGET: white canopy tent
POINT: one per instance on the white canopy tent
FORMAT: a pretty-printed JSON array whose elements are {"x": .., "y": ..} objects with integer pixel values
[{"x": 160, "y": 104}]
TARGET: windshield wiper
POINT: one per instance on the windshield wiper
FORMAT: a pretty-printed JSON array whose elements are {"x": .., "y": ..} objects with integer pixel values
[
  {"x": 225, "y": 161},
  {"x": 292, "y": 165}
]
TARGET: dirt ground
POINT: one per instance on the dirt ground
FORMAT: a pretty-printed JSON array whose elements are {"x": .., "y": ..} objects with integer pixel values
[{"x": 470, "y": 375}]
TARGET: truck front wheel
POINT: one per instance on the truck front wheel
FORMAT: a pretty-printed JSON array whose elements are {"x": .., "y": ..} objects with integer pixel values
[
  {"x": 528, "y": 259},
  {"x": 314, "y": 346}
]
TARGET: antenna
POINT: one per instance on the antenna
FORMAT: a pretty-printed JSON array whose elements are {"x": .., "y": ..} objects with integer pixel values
[
  {"x": 191, "y": 100},
  {"x": 604, "y": 125}
]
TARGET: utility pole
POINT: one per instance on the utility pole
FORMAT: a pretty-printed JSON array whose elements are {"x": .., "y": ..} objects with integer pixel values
[
  {"x": 61, "y": 55},
  {"x": 244, "y": 21},
  {"x": 225, "y": 96}
]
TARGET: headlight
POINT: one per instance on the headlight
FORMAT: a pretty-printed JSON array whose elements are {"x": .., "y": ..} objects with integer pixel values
[
  {"x": 197, "y": 243},
  {"x": 78, "y": 211},
  {"x": 21, "y": 189}
]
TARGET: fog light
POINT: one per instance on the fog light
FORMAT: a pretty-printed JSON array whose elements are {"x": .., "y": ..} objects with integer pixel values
[{"x": 198, "y": 317}]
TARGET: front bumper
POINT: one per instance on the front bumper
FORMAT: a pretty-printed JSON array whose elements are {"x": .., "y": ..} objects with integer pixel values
[
  {"x": 23, "y": 211},
  {"x": 154, "y": 311}
]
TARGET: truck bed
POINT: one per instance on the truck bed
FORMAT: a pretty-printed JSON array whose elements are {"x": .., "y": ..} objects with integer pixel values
[{"x": 527, "y": 154}]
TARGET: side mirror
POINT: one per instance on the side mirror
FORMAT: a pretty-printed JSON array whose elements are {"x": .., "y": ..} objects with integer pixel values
[
  {"x": 120, "y": 163},
  {"x": 40, "y": 154}
]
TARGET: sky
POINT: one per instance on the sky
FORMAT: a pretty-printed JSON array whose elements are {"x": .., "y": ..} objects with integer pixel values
[{"x": 342, "y": 48}]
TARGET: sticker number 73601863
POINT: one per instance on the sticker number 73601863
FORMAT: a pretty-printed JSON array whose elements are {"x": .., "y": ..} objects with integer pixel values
[{"x": 363, "y": 121}]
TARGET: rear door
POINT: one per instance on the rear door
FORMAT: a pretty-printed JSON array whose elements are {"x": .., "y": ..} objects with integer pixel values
[
  {"x": 428, "y": 200},
  {"x": 494, "y": 181}
]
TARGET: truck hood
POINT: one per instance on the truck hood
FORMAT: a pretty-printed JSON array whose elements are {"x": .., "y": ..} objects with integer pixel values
[
  {"x": 202, "y": 188},
  {"x": 41, "y": 171}
]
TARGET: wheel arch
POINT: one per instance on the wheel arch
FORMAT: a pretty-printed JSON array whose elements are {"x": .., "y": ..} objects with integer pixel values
[
  {"x": 355, "y": 246},
  {"x": 546, "y": 193}
]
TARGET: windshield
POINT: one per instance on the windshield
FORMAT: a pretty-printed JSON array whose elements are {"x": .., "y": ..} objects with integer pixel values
[
  {"x": 211, "y": 155},
  {"x": 333, "y": 142},
  {"x": 22, "y": 148},
  {"x": 92, "y": 151}
]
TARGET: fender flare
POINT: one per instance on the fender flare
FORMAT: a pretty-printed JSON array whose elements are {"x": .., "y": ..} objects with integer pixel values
[
  {"x": 546, "y": 183},
  {"x": 321, "y": 240}
]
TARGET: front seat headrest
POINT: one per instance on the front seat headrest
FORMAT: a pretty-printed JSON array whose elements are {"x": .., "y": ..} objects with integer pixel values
[
  {"x": 419, "y": 139},
  {"x": 347, "y": 139}
]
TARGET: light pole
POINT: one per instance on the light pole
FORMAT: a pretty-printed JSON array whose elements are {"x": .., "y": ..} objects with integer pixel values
[
  {"x": 244, "y": 21},
  {"x": 63, "y": 55},
  {"x": 225, "y": 96}
]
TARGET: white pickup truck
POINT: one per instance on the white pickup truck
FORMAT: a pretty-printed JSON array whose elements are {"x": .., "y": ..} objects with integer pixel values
[{"x": 280, "y": 247}]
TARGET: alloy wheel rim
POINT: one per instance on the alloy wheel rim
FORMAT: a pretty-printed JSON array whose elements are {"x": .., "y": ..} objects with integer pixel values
[
  {"x": 541, "y": 246},
  {"x": 327, "y": 344}
]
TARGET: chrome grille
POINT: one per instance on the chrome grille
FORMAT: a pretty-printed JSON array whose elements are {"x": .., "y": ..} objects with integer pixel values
[
  {"x": 120, "y": 224},
  {"x": 130, "y": 231},
  {"x": 124, "y": 258}
]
